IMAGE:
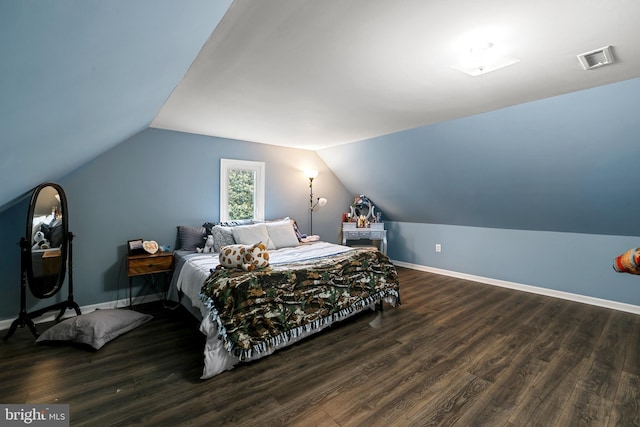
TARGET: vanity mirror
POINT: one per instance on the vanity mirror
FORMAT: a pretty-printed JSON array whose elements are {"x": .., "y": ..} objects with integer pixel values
[
  {"x": 45, "y": 255},
  {"x": 362, "y": 206}
]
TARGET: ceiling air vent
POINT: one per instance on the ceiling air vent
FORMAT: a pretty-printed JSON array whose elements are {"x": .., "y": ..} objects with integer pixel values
[{"x": 596, "y": 58}]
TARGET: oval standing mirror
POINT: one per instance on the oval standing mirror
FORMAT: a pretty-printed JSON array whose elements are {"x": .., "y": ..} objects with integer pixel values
[
  {"x": 47, "y": 233},
  {"x": 46, "y": 251}
]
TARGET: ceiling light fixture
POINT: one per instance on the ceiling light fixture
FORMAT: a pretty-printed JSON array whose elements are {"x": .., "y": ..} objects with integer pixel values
[{"x": 482, "y": 59}]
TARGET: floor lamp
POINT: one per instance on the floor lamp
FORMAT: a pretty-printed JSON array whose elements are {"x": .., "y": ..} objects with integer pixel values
[{"x": 320, "y": 201}]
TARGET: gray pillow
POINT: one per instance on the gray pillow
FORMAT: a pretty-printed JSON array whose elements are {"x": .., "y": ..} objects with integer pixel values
[
  {"x": 96, "y": 328},
  {"x": 222, "y": 236},
  {"x": 191, "y": 237}
]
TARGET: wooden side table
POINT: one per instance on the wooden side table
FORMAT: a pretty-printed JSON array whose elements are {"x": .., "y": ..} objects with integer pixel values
[{"x": 147, "y": 265}]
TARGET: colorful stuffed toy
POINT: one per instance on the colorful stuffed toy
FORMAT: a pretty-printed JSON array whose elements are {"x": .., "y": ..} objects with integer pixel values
[
  {"x": 628, "y": 262},
  {"x": 246, "y": 257}
]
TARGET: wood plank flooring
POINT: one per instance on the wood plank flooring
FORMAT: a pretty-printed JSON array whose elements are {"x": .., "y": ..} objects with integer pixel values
[{"x": 455, "y": 353}]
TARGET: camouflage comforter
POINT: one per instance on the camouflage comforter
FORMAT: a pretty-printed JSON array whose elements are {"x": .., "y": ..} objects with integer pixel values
[{"x": 257, "y": 310}]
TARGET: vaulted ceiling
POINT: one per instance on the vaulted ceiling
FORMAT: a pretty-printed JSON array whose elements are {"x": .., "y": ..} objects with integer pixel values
[
  {"x": 313, "y": 74},
  {"x": 78, "y": 78}
]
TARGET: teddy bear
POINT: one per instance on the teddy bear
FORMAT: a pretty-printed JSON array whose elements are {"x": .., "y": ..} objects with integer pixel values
[
  {"x": 246, "y": 257},
  {"x": 208, "y": 245},
  {"x": 40, "y": 242}
]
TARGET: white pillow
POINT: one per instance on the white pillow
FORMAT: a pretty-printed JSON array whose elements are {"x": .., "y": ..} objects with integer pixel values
[
  {"x": 252, "y": 234},
  {"x": 282, "y": 234},
  {"x": 96, "y": 328}
]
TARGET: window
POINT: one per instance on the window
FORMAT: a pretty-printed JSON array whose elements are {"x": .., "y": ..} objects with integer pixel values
[{"x": 241, "y": 190}]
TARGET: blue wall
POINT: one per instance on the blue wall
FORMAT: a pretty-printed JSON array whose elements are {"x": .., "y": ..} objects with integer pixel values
[
  {"x": 541, "y": 194},
  {"x": 148, "y": 185},
  {"x": 79, "y": 77},
  {"x": 576, "y": 263},
  {"x": 568, "y": 163}
]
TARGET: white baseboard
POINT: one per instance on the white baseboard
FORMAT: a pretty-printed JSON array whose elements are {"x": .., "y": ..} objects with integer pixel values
[
  {"x": 629, "y": 308},
  {"x": 51, "y": 315}
]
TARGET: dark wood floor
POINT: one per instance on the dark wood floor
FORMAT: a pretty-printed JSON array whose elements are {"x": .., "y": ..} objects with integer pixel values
[{"x": 455, "y": 353}]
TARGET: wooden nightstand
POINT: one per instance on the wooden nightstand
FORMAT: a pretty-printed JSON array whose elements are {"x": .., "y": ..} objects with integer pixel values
[{"x": 147, "y": 265}]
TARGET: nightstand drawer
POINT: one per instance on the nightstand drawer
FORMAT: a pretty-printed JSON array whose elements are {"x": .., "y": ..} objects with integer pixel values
[{"x": 138, "y": 265}]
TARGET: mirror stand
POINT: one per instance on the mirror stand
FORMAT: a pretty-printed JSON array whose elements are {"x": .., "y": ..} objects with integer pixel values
[{"x": 25, "y": 318}]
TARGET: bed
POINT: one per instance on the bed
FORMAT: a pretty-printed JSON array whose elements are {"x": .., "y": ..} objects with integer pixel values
[{"x": 306, "y": 288}]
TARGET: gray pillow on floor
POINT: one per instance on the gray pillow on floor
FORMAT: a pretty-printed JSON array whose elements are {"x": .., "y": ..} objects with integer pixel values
[{"x": 96, "y": 328}]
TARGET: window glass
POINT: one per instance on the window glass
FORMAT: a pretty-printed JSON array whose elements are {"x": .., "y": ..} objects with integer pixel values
[{"x": 241, "y": 190}]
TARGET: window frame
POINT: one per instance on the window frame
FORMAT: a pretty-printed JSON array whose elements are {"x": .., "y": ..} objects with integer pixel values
[{"x": 227, "y": 165}]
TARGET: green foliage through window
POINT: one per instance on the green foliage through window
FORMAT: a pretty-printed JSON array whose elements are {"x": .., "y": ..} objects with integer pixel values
[
  {"x": 241, "y": 190},
  {"x": 241, "y": 187}
]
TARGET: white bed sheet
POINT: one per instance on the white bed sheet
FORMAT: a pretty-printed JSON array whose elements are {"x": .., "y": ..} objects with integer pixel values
[{"x": 192, "y": 269}]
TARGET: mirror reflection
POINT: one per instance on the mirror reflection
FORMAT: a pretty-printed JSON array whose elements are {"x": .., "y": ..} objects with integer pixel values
[
  {"x": 47, "y": 234},
  {"x": 362, "y": 206}
]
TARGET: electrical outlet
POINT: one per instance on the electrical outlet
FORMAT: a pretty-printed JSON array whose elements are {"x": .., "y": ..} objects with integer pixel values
[{"x": 438, "y": 247}]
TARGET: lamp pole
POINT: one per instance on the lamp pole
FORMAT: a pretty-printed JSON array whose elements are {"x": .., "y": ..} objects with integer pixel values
[{"x": 310, "y": 205}]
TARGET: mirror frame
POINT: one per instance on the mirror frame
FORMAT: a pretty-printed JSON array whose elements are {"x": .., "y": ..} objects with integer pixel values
[
  {"x": 361, "y": 202},
  {"x": 64, "y": 246}
]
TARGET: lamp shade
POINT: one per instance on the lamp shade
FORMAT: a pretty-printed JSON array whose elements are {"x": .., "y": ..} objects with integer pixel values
[
  {"x": 311, "y": 174},
  {"x": 322, "y": 201}
]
